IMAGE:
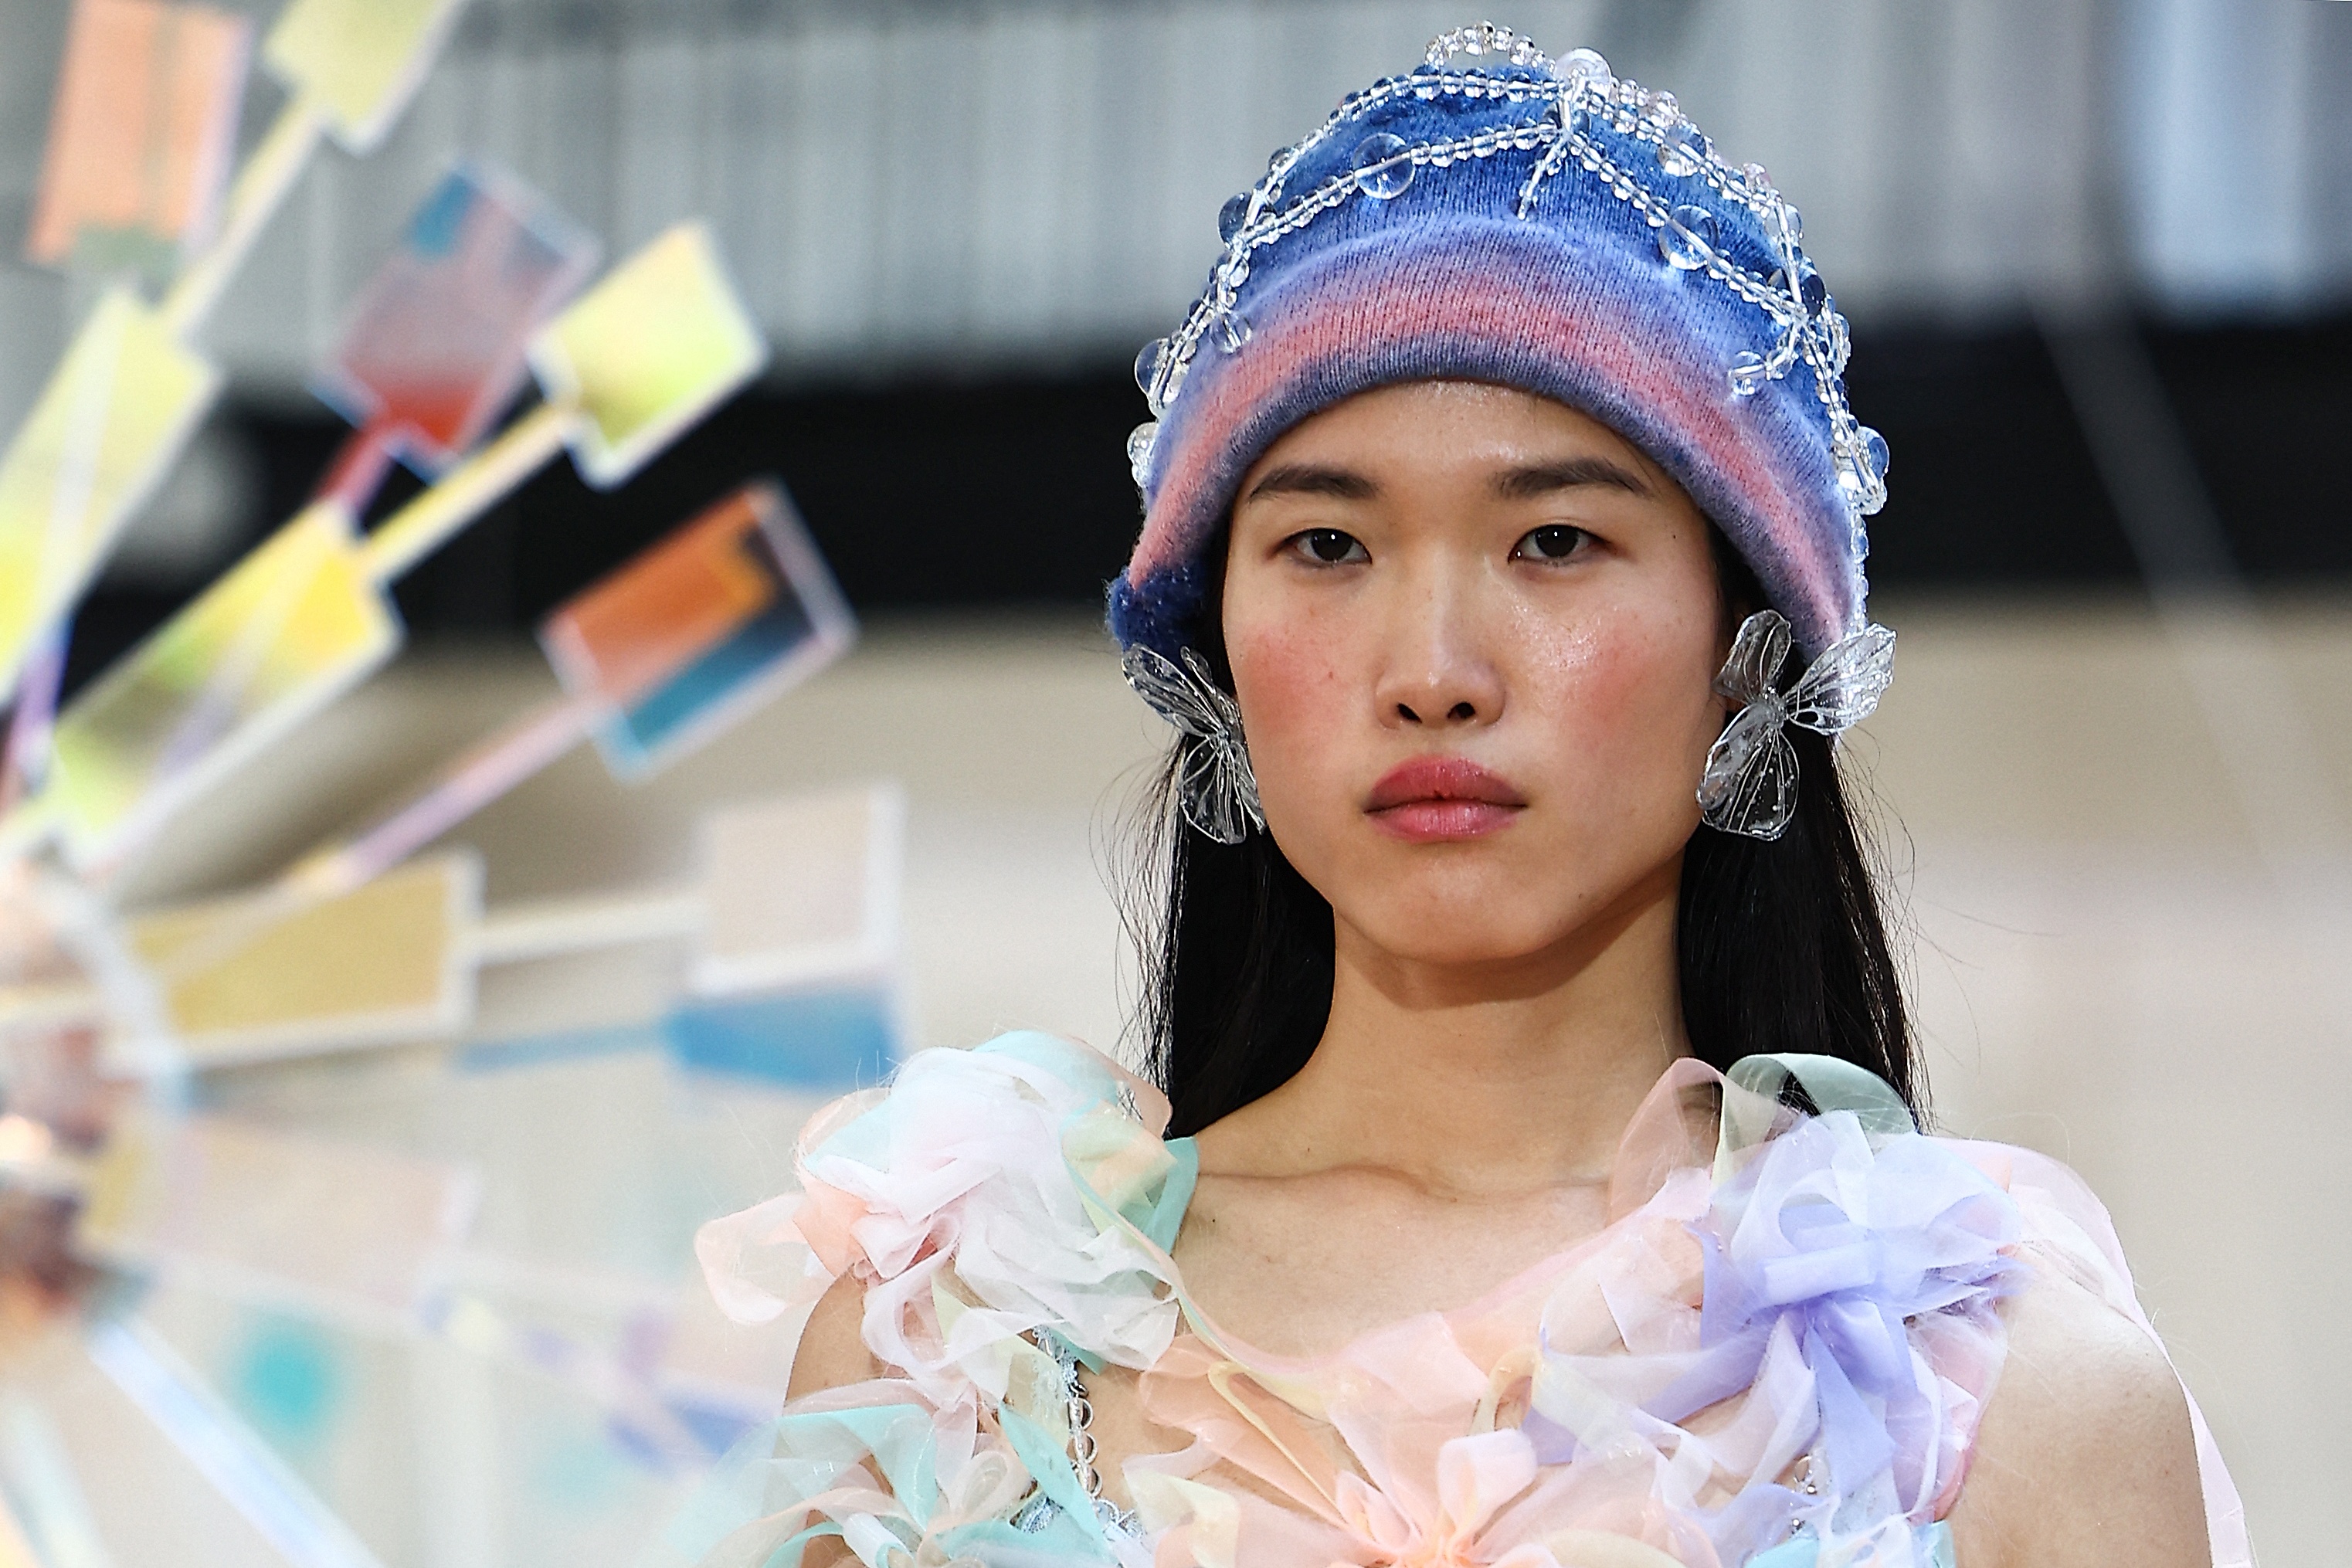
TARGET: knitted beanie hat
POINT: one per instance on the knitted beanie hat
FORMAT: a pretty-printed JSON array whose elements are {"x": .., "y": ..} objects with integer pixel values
[{"x": 1499, "y": 216}]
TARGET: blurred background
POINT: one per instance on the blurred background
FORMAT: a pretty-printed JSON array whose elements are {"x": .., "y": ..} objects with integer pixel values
[{"x": 2098, "y": 258}]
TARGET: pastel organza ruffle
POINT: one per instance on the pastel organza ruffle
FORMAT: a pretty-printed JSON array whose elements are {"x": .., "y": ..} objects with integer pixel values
[{"x": 1776, "y": 1352}]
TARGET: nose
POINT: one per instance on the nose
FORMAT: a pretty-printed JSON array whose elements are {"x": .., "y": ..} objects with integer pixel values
[{"x": 1438, "y": 673}]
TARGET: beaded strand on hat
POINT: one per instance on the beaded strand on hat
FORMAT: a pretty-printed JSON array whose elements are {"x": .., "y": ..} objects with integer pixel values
[{"x": 1574, "y": 90}]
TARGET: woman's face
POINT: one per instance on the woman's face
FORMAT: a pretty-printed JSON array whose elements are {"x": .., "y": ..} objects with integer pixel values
[{"x": 1474, "y": 635}]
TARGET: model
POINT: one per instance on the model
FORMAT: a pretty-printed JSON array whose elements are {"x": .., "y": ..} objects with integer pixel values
[{"x": 1531, "y": 1175}]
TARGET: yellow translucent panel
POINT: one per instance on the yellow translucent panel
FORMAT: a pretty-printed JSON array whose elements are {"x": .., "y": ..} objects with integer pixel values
[
  {"x": 357, "y": 59},
  {"x": 141, "y": 130},
  {"x": 243, "y": 977},
  {"x": 647, "y": 352},
  {"x": 113, "y": 415},
  {"x": 288, "y": 630}
]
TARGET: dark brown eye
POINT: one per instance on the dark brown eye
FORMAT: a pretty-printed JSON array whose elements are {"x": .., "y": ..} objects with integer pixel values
[
  {"x": 1557, "y": 542},
  {"x": 1329, "y": 547}
]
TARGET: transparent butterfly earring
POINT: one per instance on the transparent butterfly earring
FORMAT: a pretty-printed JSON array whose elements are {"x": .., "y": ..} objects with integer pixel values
[
  {"x": 1749, "y": 786},
  {"x": 1216, "y": 791}
]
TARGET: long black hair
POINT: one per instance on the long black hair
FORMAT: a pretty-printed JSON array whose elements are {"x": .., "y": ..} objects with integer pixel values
[{"x": 1780, "y": 944}]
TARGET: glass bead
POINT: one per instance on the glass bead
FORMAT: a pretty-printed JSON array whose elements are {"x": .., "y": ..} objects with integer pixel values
[
  {"x": 1758, "y": 181},
  {"x": 1874, "y": 454},
  {"x": 1811, "y": 291},
  {"x": 1792, "y": 222},
  {"x": 1748, "y": 377},
  {"x": 1147, "y": 363},
  {"x": 1662, "y": 110},
  {"x": 1140, "y": 449},
  {"x": 1840, "y": 342},
  {"x": 1685, "y": 150},
  {"x": 1232, "y": 329},
  {"x": 1781, "y": 358},
  {"x": 1689, "y": 239},
  {"x": 1232, "y": 216},
  {"x": 1585, "y": 70},
  {"x": 1381, "y": 168}
]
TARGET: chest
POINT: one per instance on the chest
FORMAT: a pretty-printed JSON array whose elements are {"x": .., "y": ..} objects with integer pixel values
[{"x": 1302, "y": 1269}]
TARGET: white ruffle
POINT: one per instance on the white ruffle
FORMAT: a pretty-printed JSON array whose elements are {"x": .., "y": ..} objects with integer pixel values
[{"x": 951, "y": 1196}]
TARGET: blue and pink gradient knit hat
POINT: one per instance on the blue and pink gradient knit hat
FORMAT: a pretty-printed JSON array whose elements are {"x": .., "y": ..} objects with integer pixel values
[{"x": 1499, "y": 216}]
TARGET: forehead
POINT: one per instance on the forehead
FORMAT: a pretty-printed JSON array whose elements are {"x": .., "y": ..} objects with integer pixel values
[
  {"x": 1443, "y": 435},
  {"x": 1439, "y": 431}
]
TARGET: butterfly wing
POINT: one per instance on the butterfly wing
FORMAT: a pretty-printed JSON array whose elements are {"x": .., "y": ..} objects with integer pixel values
[
  {"x": 1757, "y": 651},
  {"x": 1842, "y": 687},
  {"x": 1216, "y": 792},
  {"x": 1165, "y": 686},
  {"x": 1749, "y": 786}
]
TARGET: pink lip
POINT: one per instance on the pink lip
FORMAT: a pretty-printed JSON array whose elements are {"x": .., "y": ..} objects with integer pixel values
[{"x": 1439, "y": 799}]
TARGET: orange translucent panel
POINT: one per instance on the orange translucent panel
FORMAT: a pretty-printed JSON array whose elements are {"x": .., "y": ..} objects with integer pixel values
[
  {"x": 639, "y": 626},
  {"x": 733, "y": 609},
  {"x": 142, "y": 131}
]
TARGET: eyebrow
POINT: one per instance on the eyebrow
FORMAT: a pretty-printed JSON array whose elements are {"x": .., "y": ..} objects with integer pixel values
[
  {"x": 1314, "y": 479},
  {"x": 1514, "y": 484},
  {"x": 1568, "y": 474}
]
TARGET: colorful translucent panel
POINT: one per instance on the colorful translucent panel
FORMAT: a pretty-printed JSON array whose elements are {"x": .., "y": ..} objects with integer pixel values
[
  {"x": 647, "y": 352},
  {"x": 836, "y": 1039},
  {"x": 239, "y": 1466},
  {"x": 248, "y": 977},
  {"x": 357, "y": 60},
  {"x": 801, "y": 889},
  {"x": 433, "y": 351},
  {"x": 344, "y": 1229},
  {"x": 727, "y": 611},
  {"x": 113, "y": 415},
  {"x": 140, "y": 133},
  {"x": 288, "y": 630}
]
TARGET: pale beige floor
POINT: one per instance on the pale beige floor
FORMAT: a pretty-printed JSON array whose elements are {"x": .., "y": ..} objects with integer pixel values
[{"x": 2132, "y": 936}]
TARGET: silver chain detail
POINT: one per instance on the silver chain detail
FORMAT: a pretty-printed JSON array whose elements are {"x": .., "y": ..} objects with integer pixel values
[{"x": 1079, "y": 1411}]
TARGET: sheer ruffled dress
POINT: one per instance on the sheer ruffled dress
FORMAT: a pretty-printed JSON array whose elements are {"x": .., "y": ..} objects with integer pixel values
[{"x": 1775, "y": 1353}]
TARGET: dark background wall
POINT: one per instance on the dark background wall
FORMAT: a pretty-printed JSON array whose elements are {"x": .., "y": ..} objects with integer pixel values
[{"x": 1002, "y": 492}]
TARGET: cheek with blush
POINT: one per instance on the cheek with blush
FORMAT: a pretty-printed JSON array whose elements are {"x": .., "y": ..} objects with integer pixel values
[
  {"x": 1288, "y": 680},
  {"x": 1624, "y": 708}
]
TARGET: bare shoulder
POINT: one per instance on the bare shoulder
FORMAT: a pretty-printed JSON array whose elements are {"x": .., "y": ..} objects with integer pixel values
[
  {"x": 833, "y": 1353},
  {"x": 2086, "y": 1455}
]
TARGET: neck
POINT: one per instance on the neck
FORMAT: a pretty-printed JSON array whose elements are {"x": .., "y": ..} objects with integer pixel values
[{"x": 1491, "y": 1078}]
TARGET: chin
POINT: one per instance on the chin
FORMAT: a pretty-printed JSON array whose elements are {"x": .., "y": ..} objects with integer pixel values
[
  {"x": 1464, "y": 920},
  {"x": 1498, "y": 900}
]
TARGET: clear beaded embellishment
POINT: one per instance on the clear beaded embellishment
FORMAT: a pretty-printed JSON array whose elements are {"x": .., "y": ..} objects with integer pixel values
[{"x": 1566, "y": 101}]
